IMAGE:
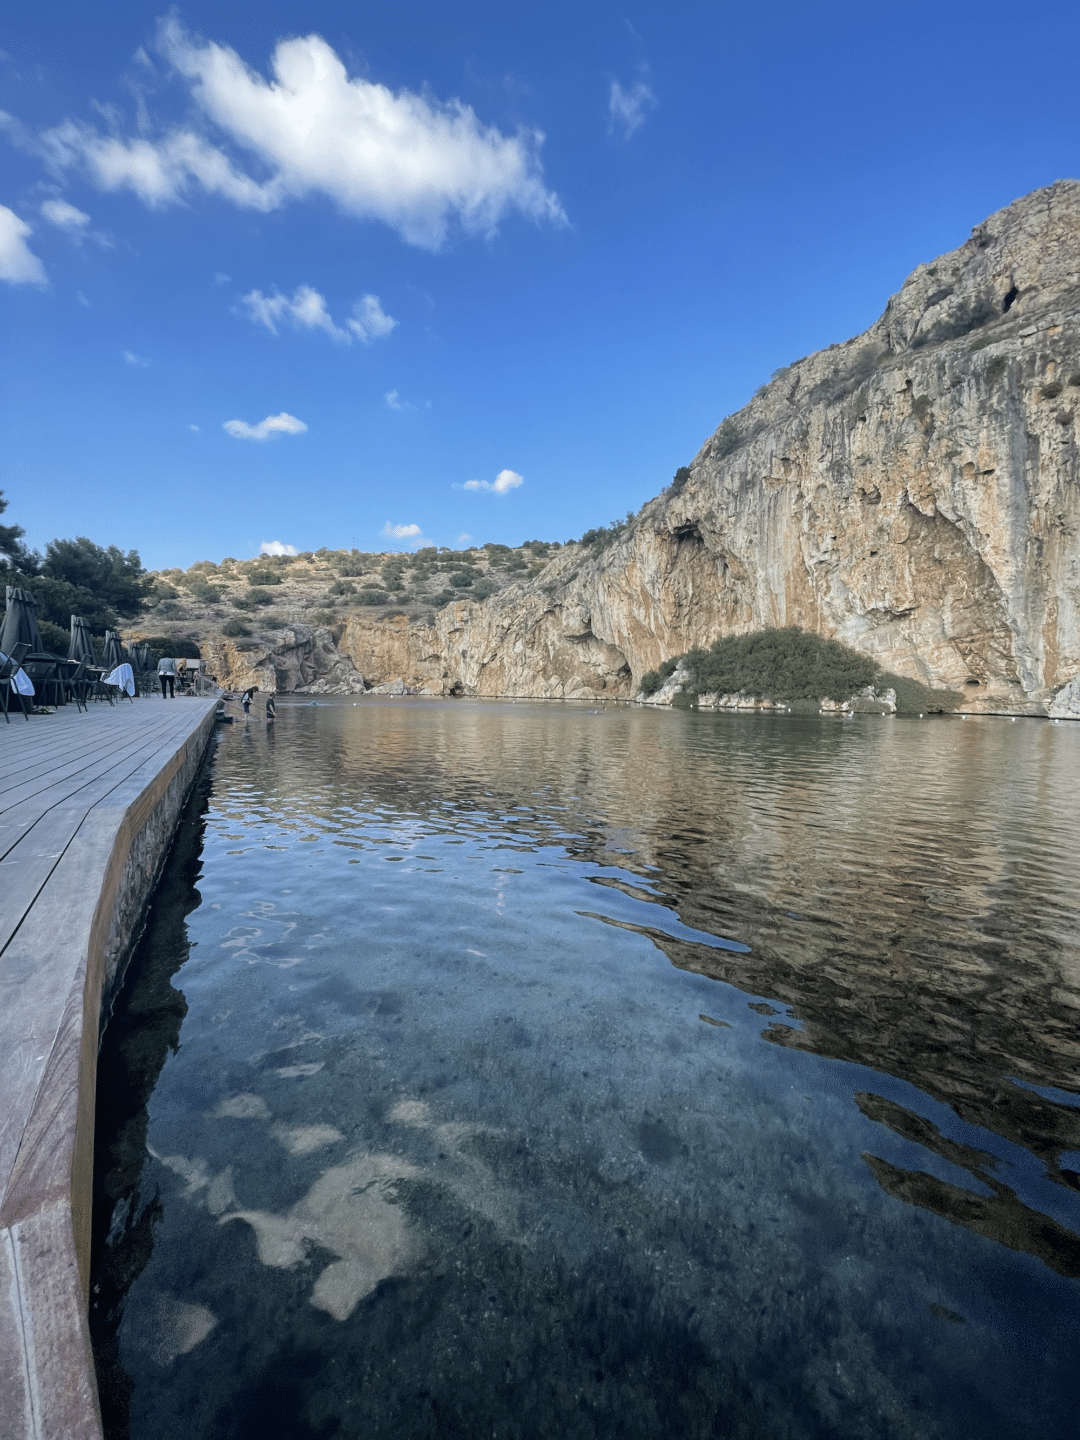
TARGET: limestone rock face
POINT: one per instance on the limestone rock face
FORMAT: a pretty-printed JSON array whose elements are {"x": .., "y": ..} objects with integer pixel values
[
  {"x": 302, "y": 660},
  {"x": 913, "y": 492}
]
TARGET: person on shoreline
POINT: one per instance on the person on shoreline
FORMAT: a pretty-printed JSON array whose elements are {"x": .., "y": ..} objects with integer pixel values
[
  {"x": 271, "y": 711},
  {"x": 245, "y": 699},
  {"x": 166, "y": 669}
]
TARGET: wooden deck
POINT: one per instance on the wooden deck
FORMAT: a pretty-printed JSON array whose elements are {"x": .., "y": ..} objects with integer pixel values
[
  {"x": 88, "y": 801},
  {"x": 54, "y": 769}
]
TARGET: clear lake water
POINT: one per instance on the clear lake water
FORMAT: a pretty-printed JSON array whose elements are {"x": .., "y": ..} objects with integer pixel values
[{"x": 561, "y": 1070}]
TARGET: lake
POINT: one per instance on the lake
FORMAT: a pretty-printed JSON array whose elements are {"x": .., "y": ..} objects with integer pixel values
[{"x": 494, "y": 1069}]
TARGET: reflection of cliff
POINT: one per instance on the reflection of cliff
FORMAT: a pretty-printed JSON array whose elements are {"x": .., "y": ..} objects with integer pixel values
[
  {"x": 926, "y": 931},
  {"x": 913, "y": 492},
  {"x": 1001, "y": 1216}
]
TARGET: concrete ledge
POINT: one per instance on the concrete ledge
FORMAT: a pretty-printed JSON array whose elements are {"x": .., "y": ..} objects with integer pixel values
[{"x": 65, "y": 957}]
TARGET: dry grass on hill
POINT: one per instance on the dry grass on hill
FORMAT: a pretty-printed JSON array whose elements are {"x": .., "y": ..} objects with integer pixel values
[{"x": 249, "y": 600}]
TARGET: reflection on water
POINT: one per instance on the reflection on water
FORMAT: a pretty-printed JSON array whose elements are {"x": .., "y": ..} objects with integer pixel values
[{"x": 541, "y": 1071}]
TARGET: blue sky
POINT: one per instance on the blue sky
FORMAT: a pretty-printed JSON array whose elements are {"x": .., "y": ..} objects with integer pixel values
[{"x": 318, "y": 273}]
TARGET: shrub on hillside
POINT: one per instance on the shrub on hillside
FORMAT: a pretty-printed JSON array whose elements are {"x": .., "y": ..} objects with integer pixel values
[
  {"x": 253, "y": 599},
  {"x": 653, "y": 679},
  {"x": 727, "y": 439},
  {"x": 789, "y": 664},
  {"x": 203, "y": 592},
  {"x": 794, "y": 666}
]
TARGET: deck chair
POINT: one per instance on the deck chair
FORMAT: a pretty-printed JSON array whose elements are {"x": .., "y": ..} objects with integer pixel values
[{"x": 75, "y": 686}]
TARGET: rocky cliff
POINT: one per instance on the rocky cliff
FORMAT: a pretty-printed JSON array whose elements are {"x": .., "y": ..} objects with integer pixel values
[{"x": 913, "y": 492}]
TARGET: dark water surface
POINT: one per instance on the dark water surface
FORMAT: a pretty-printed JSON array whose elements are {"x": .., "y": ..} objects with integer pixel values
[{"x": 525, "y": 1070}]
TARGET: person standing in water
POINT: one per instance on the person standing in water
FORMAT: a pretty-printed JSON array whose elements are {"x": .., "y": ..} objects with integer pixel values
[
  {"x": 271, "y": 712},
  {"x": 245, "y": 699}
]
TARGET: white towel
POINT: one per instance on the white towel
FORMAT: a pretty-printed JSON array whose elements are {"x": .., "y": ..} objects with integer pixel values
[
  {"x": 21, "y": 682},
  {"x": 123, "y": 678}
]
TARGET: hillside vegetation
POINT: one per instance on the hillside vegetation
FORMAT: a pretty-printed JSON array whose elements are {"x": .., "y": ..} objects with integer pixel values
[
  {"x": 791, "y": 665},
  {"x": 250, "y": 600}
]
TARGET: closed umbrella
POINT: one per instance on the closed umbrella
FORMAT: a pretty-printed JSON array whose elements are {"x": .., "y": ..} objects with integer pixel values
[
  {"x": 81, "y": 646},
  {"x": 20, "y": 622},
  {"x": 114, "y": 651},
  {"x": 140, "y": 664}
]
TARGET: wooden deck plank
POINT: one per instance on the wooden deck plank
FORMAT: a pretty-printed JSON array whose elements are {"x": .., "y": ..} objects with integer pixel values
[
  {"x": 29, "y": 802},
  {"x": 47, "y": 825},
  {"x": 110, "y": 742},
  {"x": 50, "y": 737},
  {"x": 17, "y": 819}
]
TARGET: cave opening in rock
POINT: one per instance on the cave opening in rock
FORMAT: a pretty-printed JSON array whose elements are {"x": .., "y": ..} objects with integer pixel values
[{"x": 1007, "y": 303}]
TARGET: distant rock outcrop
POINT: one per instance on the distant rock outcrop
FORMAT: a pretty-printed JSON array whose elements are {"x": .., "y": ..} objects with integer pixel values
[{"x": 913, "y": 492}]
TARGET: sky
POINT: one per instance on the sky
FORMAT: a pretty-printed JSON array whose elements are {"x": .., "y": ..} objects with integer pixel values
[{"x": 390, "y": 275}]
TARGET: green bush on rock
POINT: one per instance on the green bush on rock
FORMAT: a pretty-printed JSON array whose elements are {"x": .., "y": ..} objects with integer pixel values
[
  {"x": 793, "y": 666},
  {"x": 653, "y": 679}
]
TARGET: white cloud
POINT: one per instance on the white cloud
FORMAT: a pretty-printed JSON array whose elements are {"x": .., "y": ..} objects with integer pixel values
[
  {"x": 65, "y": 216},
  {"x": 160, "y": 172},
  {"x": 82, "y": 299},
  {"x": 18, "y": 264},
  {"x": 395, "y": 402},
  {"x": 221, "y": 278},
  {"x": 194, "y": 429},
  {"x": 306, "y": 310},
  {"x": 283, "y": 424},
  {"x": 626, "y": 108},
  {"x": 133, "y": 359},
  {"x": 402, "y": 532},
  {"x": 504, "y": 482},
  {"x": 275, "y": 547},
  {"x": 369, "y": 321},
  {"x": 415, "y": 163}
]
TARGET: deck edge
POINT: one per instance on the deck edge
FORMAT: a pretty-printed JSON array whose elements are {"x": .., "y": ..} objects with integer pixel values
[{"x": 48, "y": 1388}]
